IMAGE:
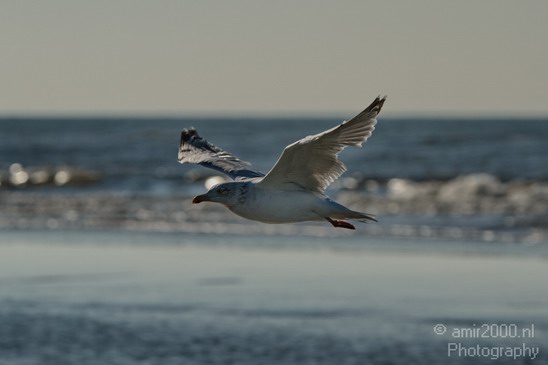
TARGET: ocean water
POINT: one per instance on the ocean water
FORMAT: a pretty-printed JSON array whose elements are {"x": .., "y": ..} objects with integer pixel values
[
  {"x": 141, "y": 154},
  {"x": 467, "y": 178}
]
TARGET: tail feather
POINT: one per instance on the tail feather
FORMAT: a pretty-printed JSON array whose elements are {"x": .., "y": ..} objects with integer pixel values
[
  {"x": 358, "y": 216},
  {"x": 361, "y": 217}
]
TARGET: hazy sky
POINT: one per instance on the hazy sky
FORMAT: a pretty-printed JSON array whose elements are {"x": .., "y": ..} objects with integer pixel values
[{"x": 273, "y": 57}]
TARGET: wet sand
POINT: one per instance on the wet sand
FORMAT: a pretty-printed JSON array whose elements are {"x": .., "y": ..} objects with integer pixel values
[{"x": 132, "y": 298}]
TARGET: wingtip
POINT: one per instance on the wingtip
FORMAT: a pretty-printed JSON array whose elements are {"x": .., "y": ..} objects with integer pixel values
[
  {"x": 187, "y": 133},
  {"x": 376, "y": 105}
]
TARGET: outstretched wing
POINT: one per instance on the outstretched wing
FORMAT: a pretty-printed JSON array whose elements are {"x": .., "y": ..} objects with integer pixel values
[
  {"x": 311, "y": 163},
  {"x": 195, "y": 149}
]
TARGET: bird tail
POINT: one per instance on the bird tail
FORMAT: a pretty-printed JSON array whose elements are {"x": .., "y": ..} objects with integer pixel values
[{"x": 359, "y": 216}]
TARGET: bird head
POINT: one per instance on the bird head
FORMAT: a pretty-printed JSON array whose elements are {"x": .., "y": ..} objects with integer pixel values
[{"x": 226, "y": 193}]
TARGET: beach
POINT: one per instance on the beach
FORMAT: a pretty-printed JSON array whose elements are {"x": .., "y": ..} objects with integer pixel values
[{"x": 112, "y": 297}]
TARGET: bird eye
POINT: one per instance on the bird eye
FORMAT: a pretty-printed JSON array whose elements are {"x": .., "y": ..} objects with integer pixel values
[{"x": 221, "y": 190}]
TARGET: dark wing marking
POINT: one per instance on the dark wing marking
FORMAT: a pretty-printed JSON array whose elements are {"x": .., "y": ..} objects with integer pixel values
[{"x": 195, "y": 149}]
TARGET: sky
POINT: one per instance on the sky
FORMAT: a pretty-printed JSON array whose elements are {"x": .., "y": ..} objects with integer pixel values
[{"x": 240, "y": 57}]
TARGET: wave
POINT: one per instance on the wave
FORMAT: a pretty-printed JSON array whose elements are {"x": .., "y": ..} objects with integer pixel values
[
  {"x": 474, "y": 194},
  {"x": 18, "y": 176},
  {"x": 470, "y": 207}
]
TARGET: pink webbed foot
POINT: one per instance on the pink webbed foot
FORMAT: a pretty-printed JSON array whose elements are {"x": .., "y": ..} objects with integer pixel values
[{"x": 339, "y": 223}]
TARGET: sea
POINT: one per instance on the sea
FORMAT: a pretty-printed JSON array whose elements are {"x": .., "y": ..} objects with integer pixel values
[
  {"x": 462, "y": 177},
  {"x": 141, "y": 154}
]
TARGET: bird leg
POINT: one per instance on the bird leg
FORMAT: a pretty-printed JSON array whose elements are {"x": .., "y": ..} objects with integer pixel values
[{"x": 338, "y": 223}]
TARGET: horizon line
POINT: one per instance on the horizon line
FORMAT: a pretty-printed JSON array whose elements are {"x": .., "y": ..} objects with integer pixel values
[{"x": 262, "y": 115}]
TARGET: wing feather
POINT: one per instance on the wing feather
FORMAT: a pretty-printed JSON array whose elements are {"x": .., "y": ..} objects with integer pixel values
[
  {"x": 311, "y": 163},
  {"x": 195, "y": 149}
]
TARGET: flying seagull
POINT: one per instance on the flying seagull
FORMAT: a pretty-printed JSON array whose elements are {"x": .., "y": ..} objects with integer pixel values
[{"x": 294, "y": 189}]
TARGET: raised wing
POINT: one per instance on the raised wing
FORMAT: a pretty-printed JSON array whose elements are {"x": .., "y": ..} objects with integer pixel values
[
  {"x": 195, "y": 149},
  {"x": 311, "y": 163}
]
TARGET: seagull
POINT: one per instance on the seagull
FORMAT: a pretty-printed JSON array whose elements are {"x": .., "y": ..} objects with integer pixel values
[{"x": 294, "y": 189}]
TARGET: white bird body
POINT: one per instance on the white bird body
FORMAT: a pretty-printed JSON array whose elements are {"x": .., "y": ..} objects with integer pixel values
[
  {"x": 294, "y": 189},
  {"x": 277, "y": 206}
]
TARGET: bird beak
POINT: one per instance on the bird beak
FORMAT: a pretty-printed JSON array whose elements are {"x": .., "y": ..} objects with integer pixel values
[{"x": 199, "y": 199}]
